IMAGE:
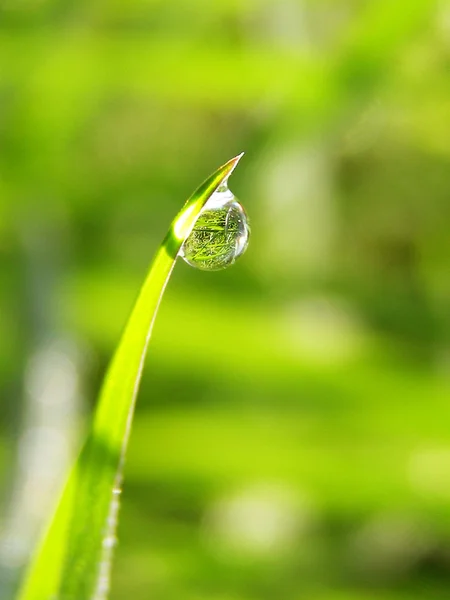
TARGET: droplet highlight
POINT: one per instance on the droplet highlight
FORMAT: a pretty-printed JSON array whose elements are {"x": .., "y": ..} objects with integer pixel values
[{"x": 220, "y": 234}]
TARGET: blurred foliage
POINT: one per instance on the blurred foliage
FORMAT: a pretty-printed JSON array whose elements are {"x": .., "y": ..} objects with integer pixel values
[{"x": 298, "y": 443}]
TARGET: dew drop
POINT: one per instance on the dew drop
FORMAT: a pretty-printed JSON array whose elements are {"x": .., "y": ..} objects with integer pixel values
[{"x": 220, "y": 234}]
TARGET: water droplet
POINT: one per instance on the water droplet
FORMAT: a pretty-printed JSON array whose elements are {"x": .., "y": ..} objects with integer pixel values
[{"x": 220, "y": 234}]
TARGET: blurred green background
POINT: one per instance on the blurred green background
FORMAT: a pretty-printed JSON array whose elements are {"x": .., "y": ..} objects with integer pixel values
[{"x": 292, "y": 436}]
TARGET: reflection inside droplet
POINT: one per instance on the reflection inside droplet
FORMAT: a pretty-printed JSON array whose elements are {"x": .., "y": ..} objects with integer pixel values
[{"x": 220, "y": 234}]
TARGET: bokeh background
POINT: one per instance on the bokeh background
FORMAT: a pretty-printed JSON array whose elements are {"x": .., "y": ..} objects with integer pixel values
[{"x": 292, "y": 434}]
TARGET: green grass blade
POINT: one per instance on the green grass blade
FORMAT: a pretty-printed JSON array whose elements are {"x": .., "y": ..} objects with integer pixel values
[{"x": 73, "y": 562}]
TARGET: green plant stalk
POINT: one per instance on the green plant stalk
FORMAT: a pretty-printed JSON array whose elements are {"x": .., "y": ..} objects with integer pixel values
[{"x": 74, "y": 559}]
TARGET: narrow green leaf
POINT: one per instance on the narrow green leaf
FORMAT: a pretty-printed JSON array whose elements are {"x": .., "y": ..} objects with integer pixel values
[{"x": 73, "y": 562}]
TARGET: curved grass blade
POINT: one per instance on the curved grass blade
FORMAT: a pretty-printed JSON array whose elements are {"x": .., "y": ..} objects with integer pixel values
[{"x": 74, "y": 559}]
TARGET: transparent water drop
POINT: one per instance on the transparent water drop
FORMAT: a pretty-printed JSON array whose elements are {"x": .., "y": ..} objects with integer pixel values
[{"x": 220, "y": 234}]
